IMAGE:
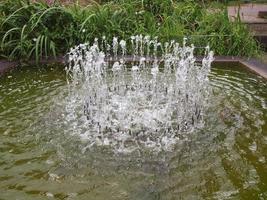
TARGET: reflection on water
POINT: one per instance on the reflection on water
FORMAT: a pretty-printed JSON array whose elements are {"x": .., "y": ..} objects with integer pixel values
[{"x": 41, "y": 159}]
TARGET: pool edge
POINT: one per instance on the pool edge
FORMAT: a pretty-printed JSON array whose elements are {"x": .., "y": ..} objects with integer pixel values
[{"x": 253, "y": 64}]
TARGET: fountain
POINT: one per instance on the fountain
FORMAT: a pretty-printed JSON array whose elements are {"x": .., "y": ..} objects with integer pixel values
[
  {"x": 151, "y": 125},
  {"x": 149, "y": 100}
]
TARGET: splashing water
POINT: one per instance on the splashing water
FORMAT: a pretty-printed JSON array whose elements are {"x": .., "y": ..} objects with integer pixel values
[{"x": 149, "y": 100}]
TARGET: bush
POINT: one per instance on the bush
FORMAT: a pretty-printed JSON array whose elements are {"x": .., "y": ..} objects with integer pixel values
[{"x": 37, "y": 30}]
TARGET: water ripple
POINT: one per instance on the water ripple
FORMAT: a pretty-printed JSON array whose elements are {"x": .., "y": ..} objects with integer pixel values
[{"x": 39, "y": 158}]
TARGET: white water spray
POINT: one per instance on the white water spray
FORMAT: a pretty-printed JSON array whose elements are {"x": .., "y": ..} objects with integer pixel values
[{"x": 141, "y": 101}]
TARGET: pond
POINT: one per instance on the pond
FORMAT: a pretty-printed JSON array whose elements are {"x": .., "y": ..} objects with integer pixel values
[{"x": 42, "y": 159}]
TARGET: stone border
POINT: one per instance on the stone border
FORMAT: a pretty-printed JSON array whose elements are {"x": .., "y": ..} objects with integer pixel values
[
  {"x": 6, "y": 65},
  {"x": 252, "y": 64},
  {"x": 255, "y": 65}
]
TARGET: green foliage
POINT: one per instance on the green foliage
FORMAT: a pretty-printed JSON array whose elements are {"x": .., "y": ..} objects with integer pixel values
[
  {"x": 38, "y": 30},
  {"x": 226, "y": 38},
  {"x": 189, "y": 14},
  {"x": 20, "y": 35},
  {"x": 158, "y": 7}
]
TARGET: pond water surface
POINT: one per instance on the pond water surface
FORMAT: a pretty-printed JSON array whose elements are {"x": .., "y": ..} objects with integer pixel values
[{"x": 39, "y": 159}]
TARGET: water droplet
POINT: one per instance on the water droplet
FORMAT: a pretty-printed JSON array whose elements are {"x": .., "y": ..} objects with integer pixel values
[{"x": 253, "y": 147}]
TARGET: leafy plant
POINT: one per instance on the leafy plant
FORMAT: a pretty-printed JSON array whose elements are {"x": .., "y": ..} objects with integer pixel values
[{"x": 39, "y": 30}]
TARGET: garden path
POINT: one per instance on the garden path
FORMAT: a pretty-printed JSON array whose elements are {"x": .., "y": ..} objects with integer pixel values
[{"x": 249, "y": 14}]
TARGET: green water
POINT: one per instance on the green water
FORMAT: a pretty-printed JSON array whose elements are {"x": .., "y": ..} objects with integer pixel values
[{"x": 39, "y": 159}]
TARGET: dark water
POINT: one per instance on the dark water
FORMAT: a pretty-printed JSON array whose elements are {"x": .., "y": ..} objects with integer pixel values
[{"x": 40, "y": 160}]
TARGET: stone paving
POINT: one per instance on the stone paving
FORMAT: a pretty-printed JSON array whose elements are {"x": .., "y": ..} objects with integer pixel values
[
  {"x": 249, "y": 15},
  {"x": 248, "y": 12}
]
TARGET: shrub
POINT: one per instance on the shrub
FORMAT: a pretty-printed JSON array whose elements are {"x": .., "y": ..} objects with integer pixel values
[{"x": 38, "y": 30}]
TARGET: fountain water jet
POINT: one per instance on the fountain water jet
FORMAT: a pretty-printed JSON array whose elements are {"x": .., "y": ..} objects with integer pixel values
[{"x": 151, "y": 100}]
